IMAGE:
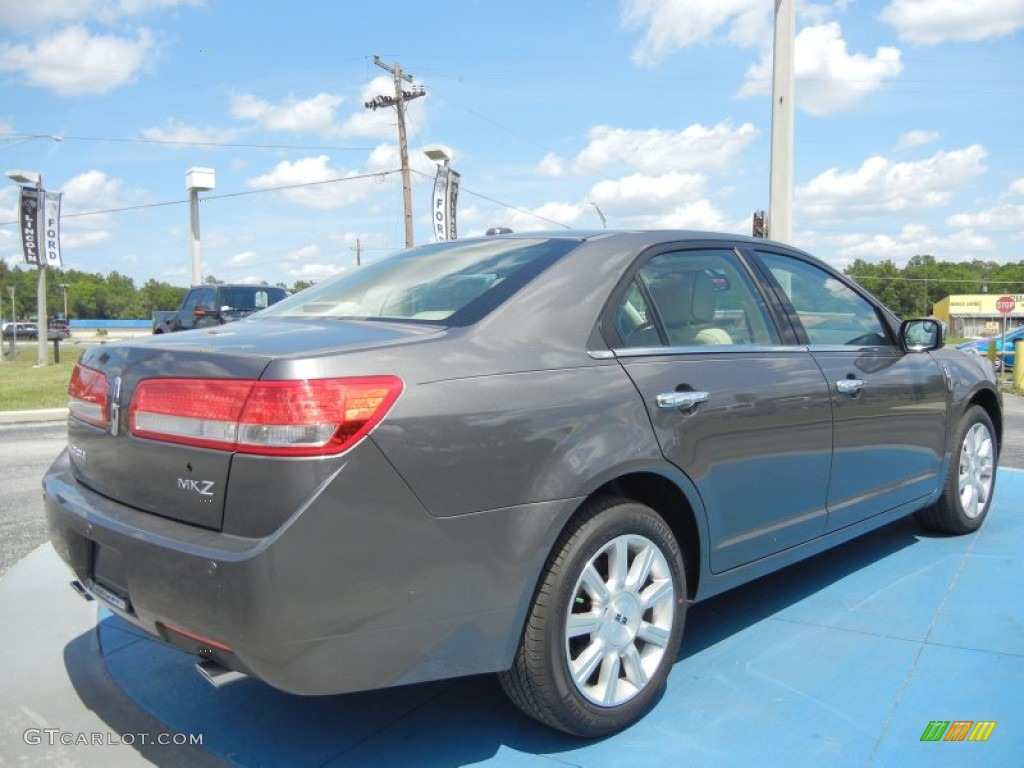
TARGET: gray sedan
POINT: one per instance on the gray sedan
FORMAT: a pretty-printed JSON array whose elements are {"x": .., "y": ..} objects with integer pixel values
[{"x": 523, "y": 454}]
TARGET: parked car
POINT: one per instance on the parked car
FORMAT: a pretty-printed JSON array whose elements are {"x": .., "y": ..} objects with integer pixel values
[
  {"x": 209, "y": 305},
  {"x": 980, "y": 347},
  {"x": 522, "y": 454},
  {"x": 24, "y": 331}
]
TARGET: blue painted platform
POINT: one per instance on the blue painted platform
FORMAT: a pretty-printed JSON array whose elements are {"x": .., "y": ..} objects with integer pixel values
[{"x": 842, "y": 660}]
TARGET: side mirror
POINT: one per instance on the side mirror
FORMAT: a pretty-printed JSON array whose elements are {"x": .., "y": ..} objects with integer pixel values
[{"x": 922, "y": 334}]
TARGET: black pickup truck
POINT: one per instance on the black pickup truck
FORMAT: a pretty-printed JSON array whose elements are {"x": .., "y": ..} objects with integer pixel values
[{"x": 207, "y": 305}]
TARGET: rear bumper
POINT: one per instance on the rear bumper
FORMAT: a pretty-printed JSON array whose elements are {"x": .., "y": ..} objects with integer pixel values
[{"x": 361, "y": 588}]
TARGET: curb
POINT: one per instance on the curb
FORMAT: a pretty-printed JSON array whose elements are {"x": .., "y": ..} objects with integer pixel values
[{"x": 28, "y": 417}]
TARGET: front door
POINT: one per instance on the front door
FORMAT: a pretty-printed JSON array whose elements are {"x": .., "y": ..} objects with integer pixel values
[{"x": 890, "y": 407}]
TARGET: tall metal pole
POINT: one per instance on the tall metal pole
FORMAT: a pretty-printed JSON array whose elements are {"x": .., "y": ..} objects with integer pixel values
[
  {"x": 197, "y": 180},
  {"x": 780, "y": 200},
  {"x": 197, "y": 257},
  {"x": 43, "y": 325}
]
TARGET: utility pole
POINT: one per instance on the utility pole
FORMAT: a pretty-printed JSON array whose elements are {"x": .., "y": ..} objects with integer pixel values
[
  {"x": 359, "y": 252},
  {"x": 398, "y": 102},
  {"x": 780, "y": 198}
]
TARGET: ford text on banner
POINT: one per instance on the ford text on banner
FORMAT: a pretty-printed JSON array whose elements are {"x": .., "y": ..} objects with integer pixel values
[
  {"x": 440, "y": 205},
  {"x": 51, "y": 229},
  {"x": 28, "y": 216}
]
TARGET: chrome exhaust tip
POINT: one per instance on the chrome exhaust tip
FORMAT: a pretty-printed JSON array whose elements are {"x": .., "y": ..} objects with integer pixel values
[
  {"x": 217, "y": 675},
  {"x": 79, "y": 587}
]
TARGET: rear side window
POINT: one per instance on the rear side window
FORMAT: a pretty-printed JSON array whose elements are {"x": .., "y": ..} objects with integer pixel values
[
  {"x": 698, "y": 297},
  {"x": 449, "y": 283}
]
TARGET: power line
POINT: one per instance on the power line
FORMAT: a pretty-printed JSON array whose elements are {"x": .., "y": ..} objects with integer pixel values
[
  {"x": 177, "y": 143},
  {"x": 464, "y": 190},
  {"x": 379, "y": 174}
]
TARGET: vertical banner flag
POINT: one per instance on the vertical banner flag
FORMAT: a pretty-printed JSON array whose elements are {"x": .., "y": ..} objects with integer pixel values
[
  {"x": 446, "y": 193},
  {"x": 29, "y": 215},
  {"x": 453, "y": 198},
  {"x": 51, "y": 228},
  {"x": 440, "y": 206}
]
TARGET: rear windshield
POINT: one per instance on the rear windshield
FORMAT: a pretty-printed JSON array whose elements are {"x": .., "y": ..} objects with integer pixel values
[
  {"x": 451, "y": 283},
  {"x": 249, "y": 298}
]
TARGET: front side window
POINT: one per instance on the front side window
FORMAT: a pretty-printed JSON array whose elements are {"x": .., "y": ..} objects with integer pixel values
[
  {"x": 830, "y": 311},
  {"x": 698, "y": 297},
  {"x": 447, "y": 283},
  {"x": 208, "y": 299}
]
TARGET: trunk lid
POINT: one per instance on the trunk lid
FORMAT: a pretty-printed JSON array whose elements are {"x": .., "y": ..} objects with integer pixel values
[{"x": 182, "y": 482}]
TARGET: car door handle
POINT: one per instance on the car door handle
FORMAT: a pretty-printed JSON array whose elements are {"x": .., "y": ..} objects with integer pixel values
[
  {"x": 850, "y": 386},
  {"x": 681, "y": 400}
]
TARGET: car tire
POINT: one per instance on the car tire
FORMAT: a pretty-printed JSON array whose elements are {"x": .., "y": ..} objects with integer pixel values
[
  {"x": 970, "y": 479},
  {"x": 606, "y": 622}
]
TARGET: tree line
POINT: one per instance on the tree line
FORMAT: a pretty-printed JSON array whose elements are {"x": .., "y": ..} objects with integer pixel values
[
  {"x": 91, "y": 295},
  {"x": 913, "y": 290},
  {"x": 909, "y": 291}
]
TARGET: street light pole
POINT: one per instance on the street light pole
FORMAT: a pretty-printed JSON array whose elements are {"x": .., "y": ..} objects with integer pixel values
[
  {"x": 64, "y": 287},
  {"x": 197, "y": 180}
]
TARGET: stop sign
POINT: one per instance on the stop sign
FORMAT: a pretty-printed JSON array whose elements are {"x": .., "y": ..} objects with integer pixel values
[{"x": 1005, "y": 305}]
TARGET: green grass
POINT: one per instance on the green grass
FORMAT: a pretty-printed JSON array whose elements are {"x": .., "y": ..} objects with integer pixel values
[{"x": 24, "y": 387}]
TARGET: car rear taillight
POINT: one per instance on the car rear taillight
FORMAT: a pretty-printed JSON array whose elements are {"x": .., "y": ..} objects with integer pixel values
[
  {"x": 87, "y": 396},
  {"x": 282, "y": 418}
]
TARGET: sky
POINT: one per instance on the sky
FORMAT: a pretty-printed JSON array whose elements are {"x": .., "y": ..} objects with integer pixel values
[{"x": 649, "y": 113}]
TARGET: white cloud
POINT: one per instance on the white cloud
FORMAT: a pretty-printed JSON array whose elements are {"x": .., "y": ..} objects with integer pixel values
[
  {"x": 658, "y": 151},
  {"x": 912, "y": 240},
  {"x": 639, "y": 194},
  {"x": 930, "y": 22},
  {"x": 696, "y": 214},
  {"x": 70, "y": 240},
  {"x": 74, "y": 62},
  {"x": 305, "y": 253},
  {"x": 1017, "y": 187},
  {"x": 1005, "y": 216},
  {"x": 552, "y": 165},
  {"x": 881, "y": 186},
  {"x": 313, "y": 271},
  {"x": 912, "y": 139},
  {"x": 177, "y": 132},
  {"x": 312, "y": 115},
  {"x": 309, "y": 171},
  {"x": 553, "y": 215},
  {"x": 828, "y": 77},
  {"x": 89, "y": 191},
  {"x": 243, "y": 258},
  {"x": 38, "y": 13},
  {"x": 669, "y": 25},
  {"x": 303, "y": 264}
]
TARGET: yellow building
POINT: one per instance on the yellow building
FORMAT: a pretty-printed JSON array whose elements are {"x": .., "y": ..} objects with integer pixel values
[{"x": 975, "y": 314}]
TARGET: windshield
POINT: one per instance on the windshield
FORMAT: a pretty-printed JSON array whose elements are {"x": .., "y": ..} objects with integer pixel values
[{"x": 449, "y": 283}]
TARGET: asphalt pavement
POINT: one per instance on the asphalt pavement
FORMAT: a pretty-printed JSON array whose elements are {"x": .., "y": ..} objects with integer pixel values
[{"x": 845, "y": 659}]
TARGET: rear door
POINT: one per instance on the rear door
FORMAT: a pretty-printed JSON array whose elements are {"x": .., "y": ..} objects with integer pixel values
[
  {"x": 890, "y": 406},
  {"x": 746, "y": 416}
]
